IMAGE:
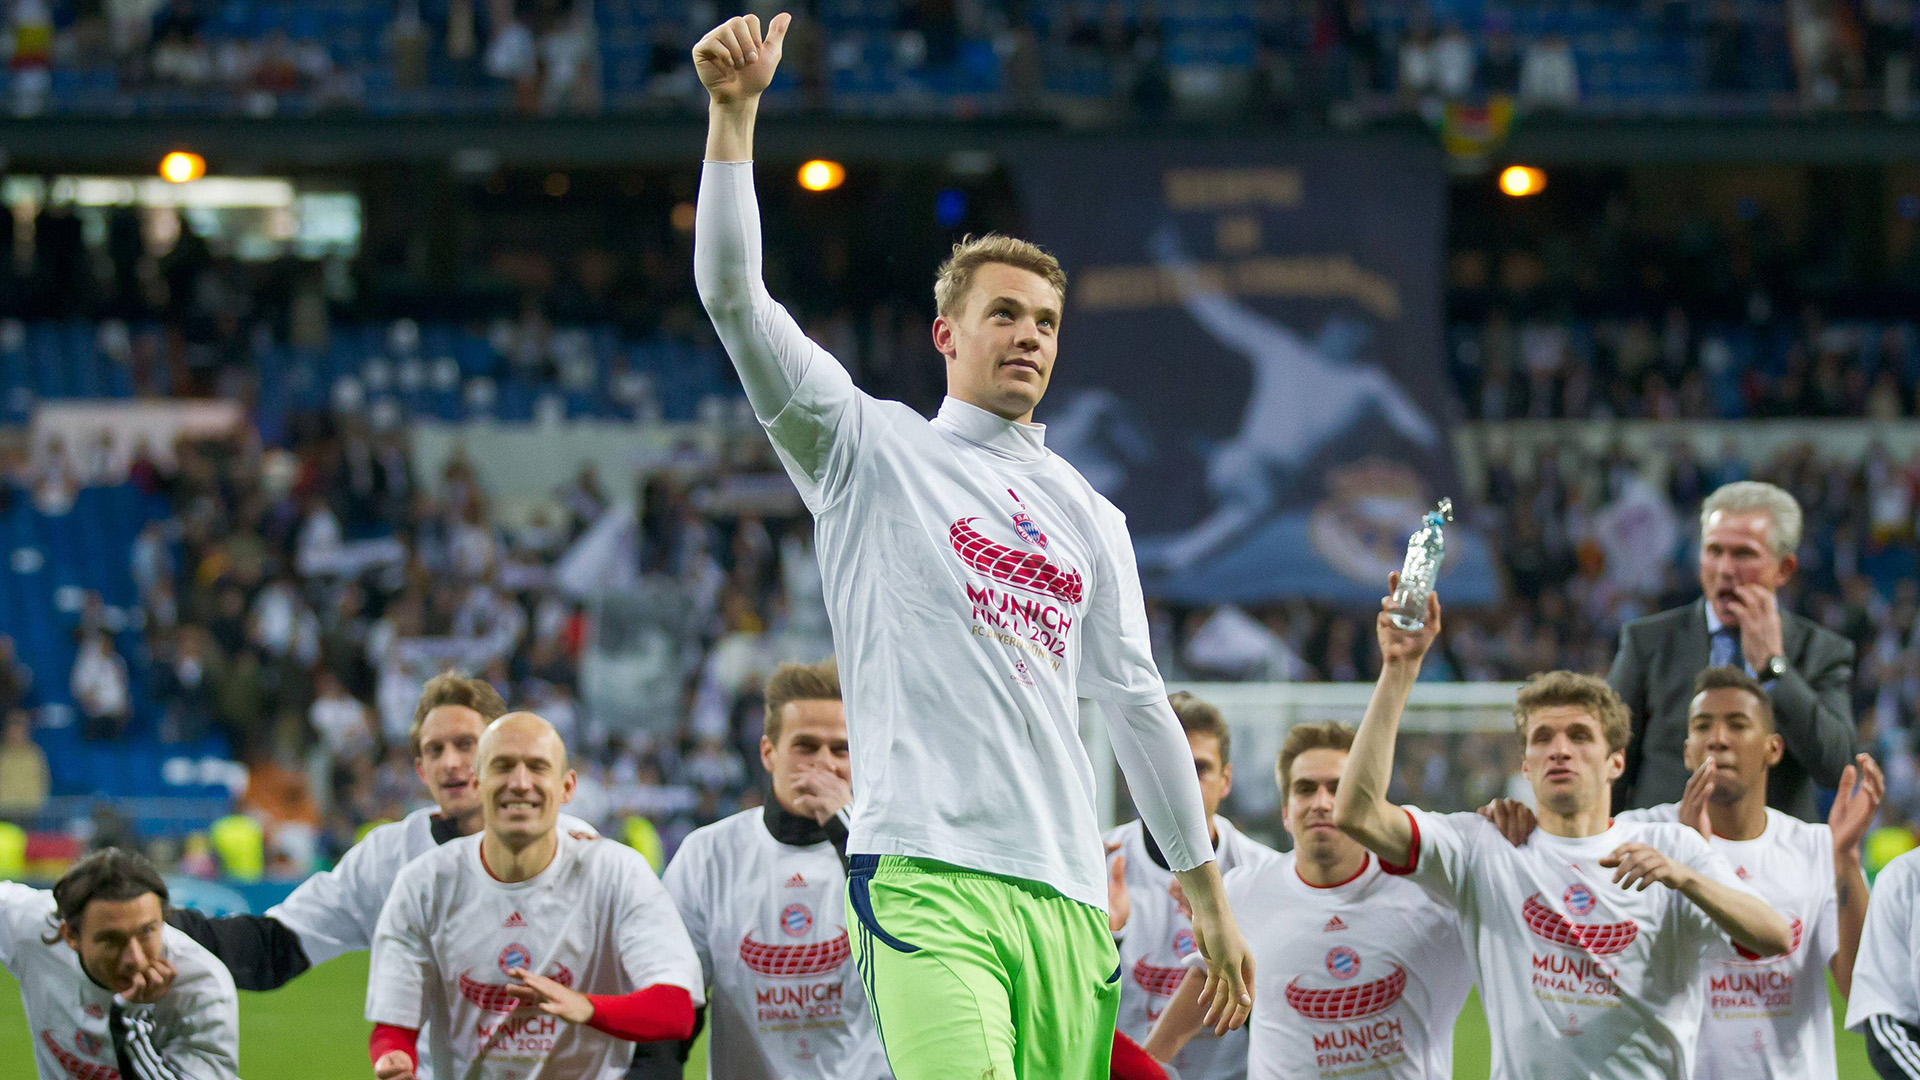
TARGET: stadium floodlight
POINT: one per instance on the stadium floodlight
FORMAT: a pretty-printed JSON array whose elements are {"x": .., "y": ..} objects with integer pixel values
[
  {"x": 820, "y": 175},
  {"x": 182, "y": 166},
  {"x": 1520, "y": 181}
]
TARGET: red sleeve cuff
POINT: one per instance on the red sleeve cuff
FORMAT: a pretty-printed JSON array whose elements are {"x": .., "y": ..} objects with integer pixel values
[
  {"x": 387, "y": 1038},
  {"x": 657, "y": 1013},
  {"x": 1413, "y": 849},
  {"x": 1132, "y": 1062}
]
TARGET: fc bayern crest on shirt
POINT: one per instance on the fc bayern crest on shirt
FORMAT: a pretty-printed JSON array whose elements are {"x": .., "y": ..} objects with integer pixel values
[
  {"x": 1579, "y": 899},
  {"x": 1183, "y": 943},
  {"x": 796, "y": 920},
  {"x": 1023, "y": 523},
  {"x": 1343, "y": 963},
  {"x": 513, "y": 956},
  {"x": 1028, "y": 531}
]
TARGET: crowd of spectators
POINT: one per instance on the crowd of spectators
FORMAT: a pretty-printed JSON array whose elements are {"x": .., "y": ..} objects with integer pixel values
[
  {"x": 1296, "y": 58},
  {"x": 1770, "y": 310},
  {"x": 294, "y": 601},
  {"x": 1585, "y": 542}
]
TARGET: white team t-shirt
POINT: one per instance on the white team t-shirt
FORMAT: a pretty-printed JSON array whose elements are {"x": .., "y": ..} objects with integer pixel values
[
  {"x": 1770, "y": 1017},
  {"x": 1579, "y": 976},
  {"x": 1886, "y": 974},
  {"x": 596, "y": 919},
  {"x": 1157, "y": 940},
  {"x": 784, "y": 998},
  {"x": 194, "y": 1028},
  {"x": 1359, "y": 980},
  {"x": 335, "y": 911}
]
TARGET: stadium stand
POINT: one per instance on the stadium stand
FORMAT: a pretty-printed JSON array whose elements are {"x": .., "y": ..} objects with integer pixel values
[
  {"x": 876, "y": 57},
  {"x": 238, "y": 647}
]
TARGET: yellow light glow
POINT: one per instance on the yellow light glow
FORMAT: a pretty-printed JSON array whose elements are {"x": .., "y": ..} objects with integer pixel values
[
  {"x": 822, "y": 175},
  {"x": 180, "y": 167},
  {"x": 1520, "y": 181}
]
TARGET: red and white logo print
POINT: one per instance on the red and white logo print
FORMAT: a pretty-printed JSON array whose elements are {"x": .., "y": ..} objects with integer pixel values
[
  {"x": 1342, "y": 1004},
  {"x": 1028, "y": 531},
  {"x": 1332, "y": 925},
  {"x": 73, "y": 1064},
  {"x": 1156, "y": 980},
  {"x": 796, "y": 920},
  {"x": 1579, "y": 899},
  {"x": 87, "y": 1043},
  {"x": 514, "y": 922},
  {"x": 493, "y": 997},
  {"x": 1023, "y": 524},
  {"x": 514, "y": 956},
  {"x": 796, "y": 882},
  {"x": 1603, "y": 939},
  {"x": 1026, "y": 570},
  {"x": 1342, "y": 963},
  {"x": 795, "y": 961},
  {"x": 1183, "y": 943}
]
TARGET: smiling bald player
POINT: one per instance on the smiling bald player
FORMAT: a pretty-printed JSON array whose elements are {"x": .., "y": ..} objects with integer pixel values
[
  {"x": 536, "y": 953},
  {"x": 335, "y": 911}
]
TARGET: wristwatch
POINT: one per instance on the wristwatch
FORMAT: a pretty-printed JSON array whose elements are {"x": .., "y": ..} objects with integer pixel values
[{"x": 1773, "y": 668}]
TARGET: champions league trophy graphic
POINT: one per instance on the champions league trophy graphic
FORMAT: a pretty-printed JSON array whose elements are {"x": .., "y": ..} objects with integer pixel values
[{"x": 1425, "y": 549}]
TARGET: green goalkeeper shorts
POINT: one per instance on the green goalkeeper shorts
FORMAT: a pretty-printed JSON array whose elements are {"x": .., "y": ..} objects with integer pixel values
[{"x": 975, "y": 976}]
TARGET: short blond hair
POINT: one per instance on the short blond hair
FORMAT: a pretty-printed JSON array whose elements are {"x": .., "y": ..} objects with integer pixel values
[
  {"x": 453, "y": 688},
  {"x": 1329, "y": 735},
  {"x": 1553, "y": 689},
  {"x": 972, "y": 252},
  {"x": 799, "y": 682}
]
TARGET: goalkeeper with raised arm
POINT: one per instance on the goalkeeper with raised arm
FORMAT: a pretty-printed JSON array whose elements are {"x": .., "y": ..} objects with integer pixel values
[{"x": 978, "y": 586}]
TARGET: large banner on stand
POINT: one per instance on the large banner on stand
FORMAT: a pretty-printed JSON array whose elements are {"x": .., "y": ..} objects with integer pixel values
[{"x": 1251, "y": 360}]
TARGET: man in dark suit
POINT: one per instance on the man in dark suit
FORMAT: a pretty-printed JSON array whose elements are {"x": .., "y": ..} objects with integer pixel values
[{"x": 1749, "y": 532}]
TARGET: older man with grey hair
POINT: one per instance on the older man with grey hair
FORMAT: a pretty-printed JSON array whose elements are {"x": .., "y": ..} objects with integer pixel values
[{"x": 1749, "y": 532}]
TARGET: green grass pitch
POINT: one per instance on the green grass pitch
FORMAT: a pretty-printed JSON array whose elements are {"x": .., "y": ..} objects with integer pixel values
[{"x": 312, "y": 1030}]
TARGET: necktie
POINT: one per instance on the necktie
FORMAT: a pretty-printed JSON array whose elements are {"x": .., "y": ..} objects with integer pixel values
[{"x": 1726, "y": 648}]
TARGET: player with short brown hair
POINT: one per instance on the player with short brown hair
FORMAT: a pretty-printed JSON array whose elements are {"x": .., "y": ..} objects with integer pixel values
[
  {"x": 1362, "y": 973},
  {"x": 978, "y": 587},
  {"x": 1590, "y": 937}
]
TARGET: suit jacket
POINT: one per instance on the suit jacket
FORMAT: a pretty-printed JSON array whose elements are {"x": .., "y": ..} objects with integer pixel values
[{"x": 1812, "y": 706}]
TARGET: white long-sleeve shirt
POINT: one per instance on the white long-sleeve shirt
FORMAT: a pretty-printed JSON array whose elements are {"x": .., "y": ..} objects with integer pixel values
[
  {"x": 977, "y": 586},
  {"x": 83, "y": 1031}
]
